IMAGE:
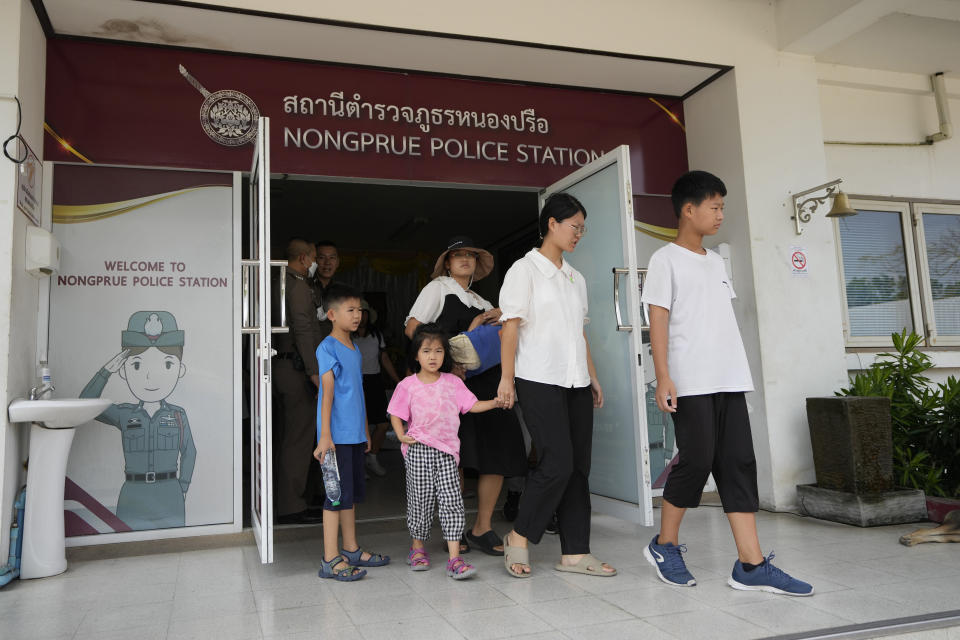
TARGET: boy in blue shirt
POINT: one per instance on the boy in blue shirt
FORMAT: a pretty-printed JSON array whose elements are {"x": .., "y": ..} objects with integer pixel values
[
  {"x": 702, "y": 376},
  {"x": 342, "y": 427}
]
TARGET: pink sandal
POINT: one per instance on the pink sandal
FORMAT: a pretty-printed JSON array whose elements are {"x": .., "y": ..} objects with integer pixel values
[
  {"x": 418, "y": 559},
  {"x": 458, "y": 569}
]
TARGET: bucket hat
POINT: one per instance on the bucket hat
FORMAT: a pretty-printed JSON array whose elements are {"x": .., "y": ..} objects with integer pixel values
[{"x": 465, "y": 243}]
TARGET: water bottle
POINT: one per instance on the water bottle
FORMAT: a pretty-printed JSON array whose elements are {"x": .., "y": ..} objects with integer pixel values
[{"x": 331, "y": 477}]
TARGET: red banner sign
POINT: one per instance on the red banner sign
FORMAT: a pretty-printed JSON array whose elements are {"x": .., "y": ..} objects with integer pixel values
[{"x": 150, "y": 106}]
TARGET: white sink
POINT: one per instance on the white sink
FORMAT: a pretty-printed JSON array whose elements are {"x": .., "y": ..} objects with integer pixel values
[{"x": 59, "y": 413}]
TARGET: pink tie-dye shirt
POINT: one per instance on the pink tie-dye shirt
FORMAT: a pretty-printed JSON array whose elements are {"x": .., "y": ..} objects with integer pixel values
[{"x": 432, "y": 411}]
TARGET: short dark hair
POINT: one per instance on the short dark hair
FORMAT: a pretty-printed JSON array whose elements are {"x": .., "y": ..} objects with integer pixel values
[
  {"x": 559, "y": 206},
  {"x": 337, "y": 293},
  {"x": 430, "y": 331},
  {"x": 695, "y": 187},
  {"x": 326, "y": 243},
  {"x": 297, "y": 247}
]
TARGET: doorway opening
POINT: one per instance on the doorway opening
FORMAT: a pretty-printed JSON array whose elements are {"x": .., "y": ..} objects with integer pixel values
[{"x": 389, "y": 236}]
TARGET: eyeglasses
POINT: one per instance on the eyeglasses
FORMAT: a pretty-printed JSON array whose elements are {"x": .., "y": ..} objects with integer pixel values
[
  {"x": 580, "y": 230},
  {"x": 463, "y": 254}
]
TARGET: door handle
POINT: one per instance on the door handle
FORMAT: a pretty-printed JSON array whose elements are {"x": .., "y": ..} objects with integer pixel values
[
  {"x": 617, "y": 272},
  {"x": 641, "y": 275}
]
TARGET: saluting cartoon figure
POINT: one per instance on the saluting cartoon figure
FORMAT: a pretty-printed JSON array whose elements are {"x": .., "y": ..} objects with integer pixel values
[{"x": 158, "y": 449}]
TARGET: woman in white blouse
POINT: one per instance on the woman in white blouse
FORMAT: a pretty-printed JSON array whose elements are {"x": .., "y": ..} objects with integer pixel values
[{"x": 547, "y": 369}]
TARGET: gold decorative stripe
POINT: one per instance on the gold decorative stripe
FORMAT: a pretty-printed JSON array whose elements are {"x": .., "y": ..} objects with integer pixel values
[
  {"x": 74, "y": 214},
  {"x": 652, "y": 230},
  {"x": 66, "y": 145},
  {"x": 670, "y": 114}
]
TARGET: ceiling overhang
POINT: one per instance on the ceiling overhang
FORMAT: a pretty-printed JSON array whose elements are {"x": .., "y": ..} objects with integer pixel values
[{"x": 194, "y": 25}]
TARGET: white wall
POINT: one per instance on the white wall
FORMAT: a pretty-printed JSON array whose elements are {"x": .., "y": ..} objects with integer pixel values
[
  {"x": 859, "y": 105},
  {"x": 22, "y": 72},
  {"x": 763, "y": 135}
]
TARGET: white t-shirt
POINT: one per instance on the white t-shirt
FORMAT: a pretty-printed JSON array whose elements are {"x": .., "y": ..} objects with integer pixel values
[
  {"x": 429, "y": 304},
  {"x": 704, "y": 351},
  {"x": 552, "y": 306},
  {"x": 370, "y": 346}
]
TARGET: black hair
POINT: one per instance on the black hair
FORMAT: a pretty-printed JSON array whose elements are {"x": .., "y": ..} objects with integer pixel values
[
  {"x": 695, "y": 187},
  {"x": 430, "y": 331},
  {"x": 297, "y": 247},
  {"x": 559, "y": 206},
  {"x": 326, "y": 243},
  {"x": 337, "y": 293}
]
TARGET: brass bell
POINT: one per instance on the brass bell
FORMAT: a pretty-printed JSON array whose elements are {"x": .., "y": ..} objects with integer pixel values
[{"x": 841, "y": 206}]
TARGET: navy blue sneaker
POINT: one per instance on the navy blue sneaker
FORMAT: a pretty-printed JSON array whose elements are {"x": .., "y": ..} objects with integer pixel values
[
  {"x": 668, "y": 562},
  {"x": 768, "y": 578}
]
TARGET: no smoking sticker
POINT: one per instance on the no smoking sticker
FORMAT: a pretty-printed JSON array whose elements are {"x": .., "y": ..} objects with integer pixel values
[{"x": 798, "y": 261}]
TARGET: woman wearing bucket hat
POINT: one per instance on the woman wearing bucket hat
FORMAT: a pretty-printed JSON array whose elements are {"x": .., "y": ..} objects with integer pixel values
[{"x": 490, "y": 442}]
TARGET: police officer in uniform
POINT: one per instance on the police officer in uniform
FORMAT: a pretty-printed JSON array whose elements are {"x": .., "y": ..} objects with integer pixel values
[
  {"x": 328, "y": 261},
  {"x": 295, "y": 382},
  {"x": 158, "y": 449}
]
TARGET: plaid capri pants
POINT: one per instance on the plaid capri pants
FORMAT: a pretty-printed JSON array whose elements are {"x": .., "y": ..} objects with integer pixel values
[{"x": 432, "y": 477}]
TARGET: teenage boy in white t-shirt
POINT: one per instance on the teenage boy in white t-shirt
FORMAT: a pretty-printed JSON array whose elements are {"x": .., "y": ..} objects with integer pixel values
[{"x": 702, "y": 375}]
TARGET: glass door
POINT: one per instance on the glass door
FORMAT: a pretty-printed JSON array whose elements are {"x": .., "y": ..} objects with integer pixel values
[
  {"x": 257, "y": 328},
  {"x": 607, "y": 258}
]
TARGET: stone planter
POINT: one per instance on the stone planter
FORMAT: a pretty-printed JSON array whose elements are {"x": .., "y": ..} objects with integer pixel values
[{"x": 852, "y": 443}]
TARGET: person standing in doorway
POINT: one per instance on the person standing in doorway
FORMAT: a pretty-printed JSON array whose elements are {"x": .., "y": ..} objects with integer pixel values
[
  {"x": 295, "y": 381},
  {"x": 342, "y": 428},
  {"x": 702, "y": 376},
  {"x": 375, "y": 362},
  {"x": 328, "y": 261},
  {"x": 492, "y": 442},
  {"x": 548, "y": 370}
]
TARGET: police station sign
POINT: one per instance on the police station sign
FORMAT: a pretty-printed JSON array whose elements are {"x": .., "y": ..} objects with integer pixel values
[{"x": 339, "y": 121}]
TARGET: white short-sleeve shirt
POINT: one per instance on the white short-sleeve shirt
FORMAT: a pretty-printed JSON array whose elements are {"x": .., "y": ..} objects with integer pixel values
[
  {"x": 429, "y": 304},
  {"x": 705, "y": 352},
  {"x": 552, "y": 306}
]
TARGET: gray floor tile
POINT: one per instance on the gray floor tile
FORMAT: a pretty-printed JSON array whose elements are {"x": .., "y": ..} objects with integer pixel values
[
  {"x": 858, "y": 606},
  {"x": 539, "y": 589},
  {"x": 106, "y": 617},
  {"x": 294, "y": 597},
  {"x": 786, "y": 615},
  {"x": 577, "y": 612},
  {"x": 621, "y": 630},
  {"x": 467, "y": 595},
  {"x": 655, "y": 601},
  {"x": 317, "y": 619},
  {"x": 232, "y": 627},
  {"x": 497, "y": 623},
  {"x": 398, "y": 606},
  {"x": 156, "y": 631},
  {"x": 710, "y": 624},
  {"x": 213, "y": 605},
  {"x": 433, "y": 627}
]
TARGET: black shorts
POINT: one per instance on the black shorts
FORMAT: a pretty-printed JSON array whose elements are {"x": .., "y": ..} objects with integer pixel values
[
  {"x": 353, "y": 476},
  {"x": 713, "y": 435}
]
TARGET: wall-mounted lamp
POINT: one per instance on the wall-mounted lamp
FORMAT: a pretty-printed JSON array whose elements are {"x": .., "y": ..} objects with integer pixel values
[{"x": 802, "y": 209}]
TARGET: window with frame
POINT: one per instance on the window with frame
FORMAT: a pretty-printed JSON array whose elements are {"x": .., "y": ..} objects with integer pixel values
[{"x": 900, "y": 268}]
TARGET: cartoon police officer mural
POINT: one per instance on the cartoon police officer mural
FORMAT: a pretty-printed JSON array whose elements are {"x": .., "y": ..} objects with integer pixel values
[{"x": 158, "y": 449}]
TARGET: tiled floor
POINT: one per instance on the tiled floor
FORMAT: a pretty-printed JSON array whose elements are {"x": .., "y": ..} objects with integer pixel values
[{"x": 860, "y": 575}]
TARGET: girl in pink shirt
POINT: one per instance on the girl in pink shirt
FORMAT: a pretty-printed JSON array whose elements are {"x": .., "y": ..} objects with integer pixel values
[{"x": 431, "y": 402}]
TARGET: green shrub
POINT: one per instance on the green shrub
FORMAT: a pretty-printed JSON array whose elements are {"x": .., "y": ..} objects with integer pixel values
[{"x": 926, "y": 419}]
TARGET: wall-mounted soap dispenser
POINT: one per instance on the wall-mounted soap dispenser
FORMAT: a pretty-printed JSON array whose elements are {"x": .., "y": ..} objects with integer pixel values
[{"x": 42, "y": 254}]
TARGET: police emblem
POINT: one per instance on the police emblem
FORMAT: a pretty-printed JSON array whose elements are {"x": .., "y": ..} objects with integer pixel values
[{"x": 228, "y": 117}]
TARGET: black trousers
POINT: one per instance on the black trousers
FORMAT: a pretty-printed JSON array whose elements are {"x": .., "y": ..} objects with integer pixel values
[
  {"x": 560, "y": 422},
  {"x": 713, "y": 435}
]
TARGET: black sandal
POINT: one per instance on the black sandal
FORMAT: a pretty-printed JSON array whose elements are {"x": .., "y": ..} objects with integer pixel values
[
  {"x": 487, "y": 542},
  {"x": 464, "y": 545}
]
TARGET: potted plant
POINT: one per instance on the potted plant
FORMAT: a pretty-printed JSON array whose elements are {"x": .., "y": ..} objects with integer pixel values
[{"x": 862, "y": 440}]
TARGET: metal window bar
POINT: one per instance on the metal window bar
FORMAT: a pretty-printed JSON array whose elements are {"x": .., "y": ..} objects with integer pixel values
[{"x": 249, "y": 270}]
